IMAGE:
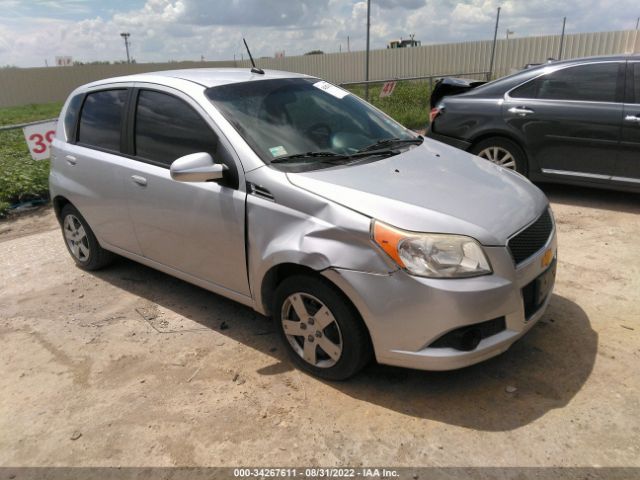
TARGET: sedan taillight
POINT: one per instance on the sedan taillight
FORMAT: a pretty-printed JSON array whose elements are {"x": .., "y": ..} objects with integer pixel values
[{"x": 434, "y": 113}]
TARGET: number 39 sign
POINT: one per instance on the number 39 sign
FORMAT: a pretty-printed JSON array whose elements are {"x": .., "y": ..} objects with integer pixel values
[{"x": 38, "y": 138}]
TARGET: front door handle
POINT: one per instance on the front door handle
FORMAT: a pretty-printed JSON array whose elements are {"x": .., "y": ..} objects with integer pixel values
[
  {"x": 139, "y": 180},
  {"x": 521, "y": 111},
  {"x": 632, "y": 118},
  {"x": 71, "y": 160}
]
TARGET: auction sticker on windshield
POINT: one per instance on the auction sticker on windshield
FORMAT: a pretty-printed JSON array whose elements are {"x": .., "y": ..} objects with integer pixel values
[
  {"x": 331, "y": 89},
  {"x": 278, "y": 151}
]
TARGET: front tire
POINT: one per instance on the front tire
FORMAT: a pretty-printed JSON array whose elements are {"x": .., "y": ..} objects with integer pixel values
[
  {"x": 320, "y": 329},
  {"x": 503, "y": 152},
  {"x": 81, "y": 242}
]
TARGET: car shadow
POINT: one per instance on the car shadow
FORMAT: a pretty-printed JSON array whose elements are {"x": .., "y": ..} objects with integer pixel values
[
  {"x": 592, "y": 197},
  {"x": 547, "y": 367}
]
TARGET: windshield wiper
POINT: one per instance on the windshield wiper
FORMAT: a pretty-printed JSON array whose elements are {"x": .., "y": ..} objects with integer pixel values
[
  {"x": 298, "y": 156},
  {"x": 393, "y": 142},
  {"x": 333, "y": 158}
]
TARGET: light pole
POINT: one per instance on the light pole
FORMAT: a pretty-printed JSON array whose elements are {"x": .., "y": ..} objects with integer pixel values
[
  {"x": 564, "y": 23},
  {"x": 509, "y": 62},
  {"x": 493, "y": 48},
  {"x": 126, "y": 44},
  {"x": 366, "y": 61}
]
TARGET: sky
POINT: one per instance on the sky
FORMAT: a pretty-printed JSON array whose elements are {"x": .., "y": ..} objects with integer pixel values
[{"x": 32, "y": 31}]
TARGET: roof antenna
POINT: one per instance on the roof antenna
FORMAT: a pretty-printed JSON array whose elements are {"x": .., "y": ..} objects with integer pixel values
[{"x": 254, "y": 69}]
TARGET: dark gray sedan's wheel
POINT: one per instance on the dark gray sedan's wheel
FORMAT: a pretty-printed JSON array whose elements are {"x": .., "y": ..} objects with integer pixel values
[
  {"x": 81, "y": 242},
  {"x": 503, "y": 152},
  {"x": 321, "y": 330}
]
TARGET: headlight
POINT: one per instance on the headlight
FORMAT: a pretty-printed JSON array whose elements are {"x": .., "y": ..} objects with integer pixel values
[{"x": 432, "y": 255}]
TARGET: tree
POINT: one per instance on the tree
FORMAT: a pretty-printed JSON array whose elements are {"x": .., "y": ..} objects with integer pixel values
[{"x": 315, "y": 52}]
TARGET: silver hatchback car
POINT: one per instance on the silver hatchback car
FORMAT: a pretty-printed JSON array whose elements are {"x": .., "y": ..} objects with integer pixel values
[{"x": 300, "y": 200}]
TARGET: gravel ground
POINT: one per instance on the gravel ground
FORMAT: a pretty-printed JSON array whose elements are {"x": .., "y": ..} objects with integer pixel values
[{"x": 130, "y": 367}]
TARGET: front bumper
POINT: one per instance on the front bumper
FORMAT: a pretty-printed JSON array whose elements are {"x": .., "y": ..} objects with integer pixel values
[{"x": 406, "y": 314}]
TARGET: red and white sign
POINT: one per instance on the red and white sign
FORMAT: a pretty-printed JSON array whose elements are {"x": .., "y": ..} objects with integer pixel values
[
  {"x": 64, "y": 61},
  {"x": 39, "y": 138},
  {"x": 387, "y": 89}
]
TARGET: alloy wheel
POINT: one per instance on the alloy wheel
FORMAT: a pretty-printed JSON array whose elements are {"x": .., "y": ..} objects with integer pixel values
[
  {"x": 499, "y": 156},
  {"x": 76, "y": 237},
  {"x": 311, "y": 330}
]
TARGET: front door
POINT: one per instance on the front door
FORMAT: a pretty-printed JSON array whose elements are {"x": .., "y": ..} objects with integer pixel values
[
  {"x": 628, "y": 167},
  {"x": 196, "y": 228}
]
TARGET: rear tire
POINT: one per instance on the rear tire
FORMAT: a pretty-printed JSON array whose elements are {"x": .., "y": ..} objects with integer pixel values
[
  {"x": 503, "y": 152},
  {"x": 321, "y": 330},
  {"x": 81, "y": 242}
]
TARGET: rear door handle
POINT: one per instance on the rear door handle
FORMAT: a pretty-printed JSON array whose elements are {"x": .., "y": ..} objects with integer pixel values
[
  {"x": 521, "y": 111},
  {"x": 632, "y": 118},
  {"x": 139, "y": 180},
  {"x": 71, "y": 160}
]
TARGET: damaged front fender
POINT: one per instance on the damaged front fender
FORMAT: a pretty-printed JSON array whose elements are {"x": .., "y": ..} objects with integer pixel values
[{"x": 289, "y": 225}]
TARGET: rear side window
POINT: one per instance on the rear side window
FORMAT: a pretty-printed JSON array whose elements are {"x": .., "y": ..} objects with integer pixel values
[
  {"x": 101, "y": 119},
  {"x": 167, "y": 128},
  {"x": 595, "y": 83},
  {"x": 71, "y": 117}
]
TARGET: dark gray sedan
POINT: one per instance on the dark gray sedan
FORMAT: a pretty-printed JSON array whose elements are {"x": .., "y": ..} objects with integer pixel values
[{"x": 575, "y": 121}]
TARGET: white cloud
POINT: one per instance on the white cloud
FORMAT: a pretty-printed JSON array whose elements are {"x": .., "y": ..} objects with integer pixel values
[
  {"x": 470, "y": 14},
  {"x": 186, "y": 29}
]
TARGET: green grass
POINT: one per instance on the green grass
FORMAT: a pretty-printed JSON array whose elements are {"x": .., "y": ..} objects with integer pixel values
[
  {"x": 408, "y": 105},
  {"x": 22, "y": 178},
  {"x": 29, "y": 113}
]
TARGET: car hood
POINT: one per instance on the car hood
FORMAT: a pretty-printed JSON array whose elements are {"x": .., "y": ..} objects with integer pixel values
[{"x": 433, "y": 188}]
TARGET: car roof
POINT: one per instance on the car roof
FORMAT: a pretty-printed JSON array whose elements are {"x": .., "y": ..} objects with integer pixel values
[
  {"x": 501, "y": 85},
  {"x": 600, "y": 58},
  {"x": 206, "y": 77}
]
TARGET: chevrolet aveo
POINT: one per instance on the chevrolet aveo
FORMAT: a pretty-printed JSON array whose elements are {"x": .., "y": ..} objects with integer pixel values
[{"x": 300, "y": 200}]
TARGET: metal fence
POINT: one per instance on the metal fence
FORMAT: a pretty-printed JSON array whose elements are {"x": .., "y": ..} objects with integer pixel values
[{"x": 43, "y": 85}]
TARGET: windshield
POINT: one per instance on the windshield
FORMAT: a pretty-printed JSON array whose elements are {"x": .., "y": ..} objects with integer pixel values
[{"x": 292, "y": 117}]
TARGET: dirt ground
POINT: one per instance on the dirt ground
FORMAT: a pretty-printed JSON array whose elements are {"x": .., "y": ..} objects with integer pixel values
[{"x": 131, "y": 367}]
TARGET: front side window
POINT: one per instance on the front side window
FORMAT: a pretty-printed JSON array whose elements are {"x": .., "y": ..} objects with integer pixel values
[
  {"x": 167, "y": 128},
  {"x": 101, "y": 119},
  {"x": 597, "y": 82},
  {"x": 295, "y": 116}
]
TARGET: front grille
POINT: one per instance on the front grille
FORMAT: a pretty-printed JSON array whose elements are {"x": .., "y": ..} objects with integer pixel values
[{"x": 531, "y": 239}]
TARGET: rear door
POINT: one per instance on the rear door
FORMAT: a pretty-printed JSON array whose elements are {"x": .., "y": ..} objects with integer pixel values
[
  {"x": 571, "y": 119},
  {"x": 196, "y": 228},
  {"x": 92, "y": 167},
  {"x": 628, "y": 167}
]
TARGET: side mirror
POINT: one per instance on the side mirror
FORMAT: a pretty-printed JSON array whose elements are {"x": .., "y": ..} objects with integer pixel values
[{"x": 197, "y": 167}]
